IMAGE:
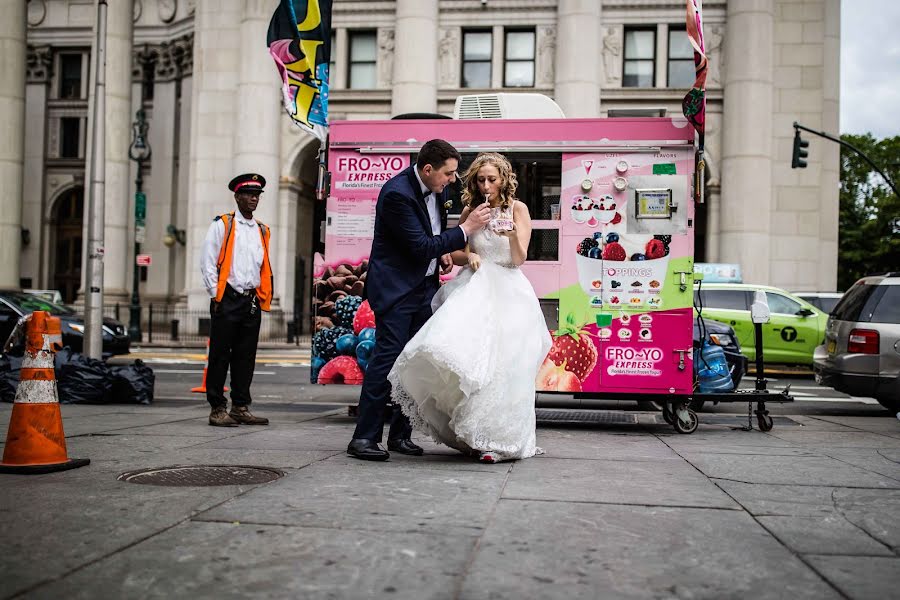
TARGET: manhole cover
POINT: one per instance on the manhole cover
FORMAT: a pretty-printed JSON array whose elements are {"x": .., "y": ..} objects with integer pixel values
[
  {"x": 203, "y": 475},
  {"x": 604, "y": 417}
]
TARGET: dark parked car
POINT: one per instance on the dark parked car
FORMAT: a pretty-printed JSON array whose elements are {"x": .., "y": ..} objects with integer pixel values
[
  {"x": 722, "y": 335},
  {"x": 15, "y": 305}
]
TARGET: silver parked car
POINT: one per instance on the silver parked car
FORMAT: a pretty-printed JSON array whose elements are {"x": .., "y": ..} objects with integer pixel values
[{"x": 861, "y": 353}]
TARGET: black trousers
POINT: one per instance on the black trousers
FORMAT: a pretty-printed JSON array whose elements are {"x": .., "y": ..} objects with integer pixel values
[
  {"x": 233, "y": 336},
  {"x": 392, "y": 331}
]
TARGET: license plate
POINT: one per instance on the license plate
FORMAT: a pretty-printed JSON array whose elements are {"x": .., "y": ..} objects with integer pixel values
[{"x": 832, "y": 346}]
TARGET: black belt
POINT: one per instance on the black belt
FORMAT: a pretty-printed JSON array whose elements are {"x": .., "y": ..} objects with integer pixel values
[{"x": 236, "y": 294}]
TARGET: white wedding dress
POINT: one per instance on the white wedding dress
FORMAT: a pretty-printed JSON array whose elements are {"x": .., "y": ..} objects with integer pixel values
[{"x": 467, "y": 378}]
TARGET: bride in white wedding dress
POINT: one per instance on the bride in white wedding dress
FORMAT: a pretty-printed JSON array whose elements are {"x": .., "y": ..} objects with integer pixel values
[{"x": 467, "y": 377}]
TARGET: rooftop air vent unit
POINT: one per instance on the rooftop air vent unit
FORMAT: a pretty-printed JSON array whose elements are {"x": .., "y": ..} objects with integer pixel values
[{"x": 506, "y": 106}]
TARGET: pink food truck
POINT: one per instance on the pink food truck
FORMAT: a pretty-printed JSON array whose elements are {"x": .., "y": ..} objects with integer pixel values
[{"x": 611, "y": 256}]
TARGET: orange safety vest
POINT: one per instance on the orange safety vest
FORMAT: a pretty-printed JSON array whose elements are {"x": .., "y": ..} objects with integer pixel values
[{"x": 223, "y": 265}]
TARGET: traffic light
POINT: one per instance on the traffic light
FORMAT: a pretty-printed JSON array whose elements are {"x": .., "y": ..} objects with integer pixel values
[{"x": 800, "y": 151}]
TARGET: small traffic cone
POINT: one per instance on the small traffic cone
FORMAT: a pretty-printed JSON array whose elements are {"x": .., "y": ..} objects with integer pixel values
[
  {"x": 201, "y": 389},
  {"x": 35, "y": 442}
]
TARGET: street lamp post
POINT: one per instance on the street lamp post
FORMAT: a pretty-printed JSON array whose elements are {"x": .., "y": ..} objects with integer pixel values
[{"x": 139, "y": 151}]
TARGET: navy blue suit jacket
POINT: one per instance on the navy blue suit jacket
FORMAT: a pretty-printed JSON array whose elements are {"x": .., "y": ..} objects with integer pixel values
[{"x": 403, "y": 244}]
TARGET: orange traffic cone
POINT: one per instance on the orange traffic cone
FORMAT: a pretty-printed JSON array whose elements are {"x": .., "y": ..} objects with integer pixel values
[
  {"x": 201, "y": 389},
  {"x": 35, "y": 442}
]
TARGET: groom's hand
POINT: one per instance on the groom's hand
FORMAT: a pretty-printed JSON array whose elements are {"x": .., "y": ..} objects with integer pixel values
[
  {"x": 477, "y": 219},
  {"x": 446, "y": 264}
]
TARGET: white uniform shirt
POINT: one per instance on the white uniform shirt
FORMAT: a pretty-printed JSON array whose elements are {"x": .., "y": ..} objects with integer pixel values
[
  {"x": 433, "y": 215},
  {"x": 247, "y": 257}
]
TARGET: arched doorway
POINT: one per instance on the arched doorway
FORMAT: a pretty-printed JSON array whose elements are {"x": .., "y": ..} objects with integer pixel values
[
  {"x": 67, "y": 220},
  {"x": 302, "y": 166}
]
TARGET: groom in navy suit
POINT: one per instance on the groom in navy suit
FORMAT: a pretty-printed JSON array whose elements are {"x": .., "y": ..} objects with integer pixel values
[{"x": 411, "y": 246}]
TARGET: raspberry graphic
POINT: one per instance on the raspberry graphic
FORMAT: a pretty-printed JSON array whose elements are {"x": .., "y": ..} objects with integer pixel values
[
  {"x": 614, "y": 251},
  {"x": 342, "y": 369},
  {"x": 616, "y": 219},
  {"x": 655, "y": 249},
  {"x": 364, "y": 317}
]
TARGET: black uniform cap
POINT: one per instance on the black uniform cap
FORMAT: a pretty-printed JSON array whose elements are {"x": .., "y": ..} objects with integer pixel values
[{"x": 248, "y": 182}]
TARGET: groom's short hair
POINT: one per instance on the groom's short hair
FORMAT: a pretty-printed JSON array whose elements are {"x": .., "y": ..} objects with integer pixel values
[{"x": 435, "y": 153}]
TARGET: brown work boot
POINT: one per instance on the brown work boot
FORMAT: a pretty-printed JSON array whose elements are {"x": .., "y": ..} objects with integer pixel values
[
  {"x": 219, "y": 418},
  {"x": 242, "y": 415}
]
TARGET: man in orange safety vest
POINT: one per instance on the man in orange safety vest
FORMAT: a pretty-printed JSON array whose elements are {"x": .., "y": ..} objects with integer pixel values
[{"x": 237, "y": 274}]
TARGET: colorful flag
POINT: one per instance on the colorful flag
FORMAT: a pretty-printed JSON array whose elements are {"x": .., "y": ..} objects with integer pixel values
[
  {"x": 694, "y": 103},
  {"x": 299, "y": 41}
]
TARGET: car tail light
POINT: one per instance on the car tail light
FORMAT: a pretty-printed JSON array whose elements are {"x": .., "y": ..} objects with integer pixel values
[{"x": 863, "y": 341}]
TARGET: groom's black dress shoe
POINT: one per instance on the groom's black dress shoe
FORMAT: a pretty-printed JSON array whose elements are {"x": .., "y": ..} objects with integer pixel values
[
  {"x": 405, "y": 446},
  {"x": 366, "y": 450}
]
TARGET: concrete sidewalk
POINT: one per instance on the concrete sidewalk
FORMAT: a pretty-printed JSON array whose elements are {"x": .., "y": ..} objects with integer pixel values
[{"x": 808, "y": 510}]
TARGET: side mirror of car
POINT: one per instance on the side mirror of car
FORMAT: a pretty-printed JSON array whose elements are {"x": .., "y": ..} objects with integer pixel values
[{"x": 805, "y": 312}]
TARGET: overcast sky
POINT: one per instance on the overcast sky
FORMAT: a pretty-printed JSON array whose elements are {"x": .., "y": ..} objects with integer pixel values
[{"x": 870, "y": 67}]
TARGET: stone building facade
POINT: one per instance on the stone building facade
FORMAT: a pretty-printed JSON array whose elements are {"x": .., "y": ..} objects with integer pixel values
[{"x": 201, "y": 71}]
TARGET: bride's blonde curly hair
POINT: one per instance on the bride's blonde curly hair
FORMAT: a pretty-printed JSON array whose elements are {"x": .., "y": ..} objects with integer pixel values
[{"x": 472, "y": 197}]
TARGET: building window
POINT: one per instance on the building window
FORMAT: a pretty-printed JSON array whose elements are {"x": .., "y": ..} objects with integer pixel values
[
  {"x": 640, "y": 54},
  {"x": 477, "y": 51},
  {"x": 681, "y": 73},
  {"x": 519, "y": 59},
  {"x": 69, "y": 137},
  {"x": 70, "y": 76},
  {"x": 363, "y": 52}
]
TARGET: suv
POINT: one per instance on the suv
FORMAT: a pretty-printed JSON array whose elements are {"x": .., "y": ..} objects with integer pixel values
[
  {"x": 861, "y": 353},
  {"x": 824, "y": 301},
  {"x": 794, "y": 329}
]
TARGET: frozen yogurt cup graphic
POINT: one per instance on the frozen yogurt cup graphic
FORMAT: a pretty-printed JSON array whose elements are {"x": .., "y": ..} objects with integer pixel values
[
  {"x": 604, "y": 216},
  {"x": 624, "y": 334},
  {"x": 582, "y": 209},
  {"x": 581, "y": 215}
]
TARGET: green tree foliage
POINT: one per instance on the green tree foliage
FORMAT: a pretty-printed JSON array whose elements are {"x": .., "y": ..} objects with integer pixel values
[{"x": 866, "y": 243}]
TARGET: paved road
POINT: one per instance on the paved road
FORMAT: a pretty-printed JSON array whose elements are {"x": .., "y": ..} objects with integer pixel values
[{"x": 284, "y": 375}]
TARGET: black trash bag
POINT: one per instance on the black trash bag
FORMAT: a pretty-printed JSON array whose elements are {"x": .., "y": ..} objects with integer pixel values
[
  {"x": 81, "y": 379},
  {"x": 9, "y": 376},
  {"x": 132, "y": 383}
]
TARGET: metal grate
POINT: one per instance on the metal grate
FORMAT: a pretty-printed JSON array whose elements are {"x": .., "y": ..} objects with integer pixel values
[
  {"x": 480, "y": 107},
  {"x": 600, "y": 417},
  {"x": 202, "y": 475}
]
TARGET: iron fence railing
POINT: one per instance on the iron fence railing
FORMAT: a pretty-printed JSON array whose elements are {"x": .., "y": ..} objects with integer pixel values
[{"x": 162, "y": 323}]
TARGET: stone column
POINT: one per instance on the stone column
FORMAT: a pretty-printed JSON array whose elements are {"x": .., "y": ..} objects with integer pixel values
[
  {"x": 217, "y": 51},
  {"x": 34, "y": 259},
  {"x": 747, "y": 139},
  {"x": 119, "y": 197},
  {"x": 177, "y": 265},
  {"x": 161, "y": 183},
  {"x": 257, "y": 139},
  {"x": 831, "y": 153},
  {"x": 12, "y": 140},
  {"x": 578, "y": 40},
  {"x": 416, "y": 57}
]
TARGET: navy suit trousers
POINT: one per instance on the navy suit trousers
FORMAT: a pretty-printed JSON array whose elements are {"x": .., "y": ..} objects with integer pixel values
[{"x": 392, "y": 331}]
